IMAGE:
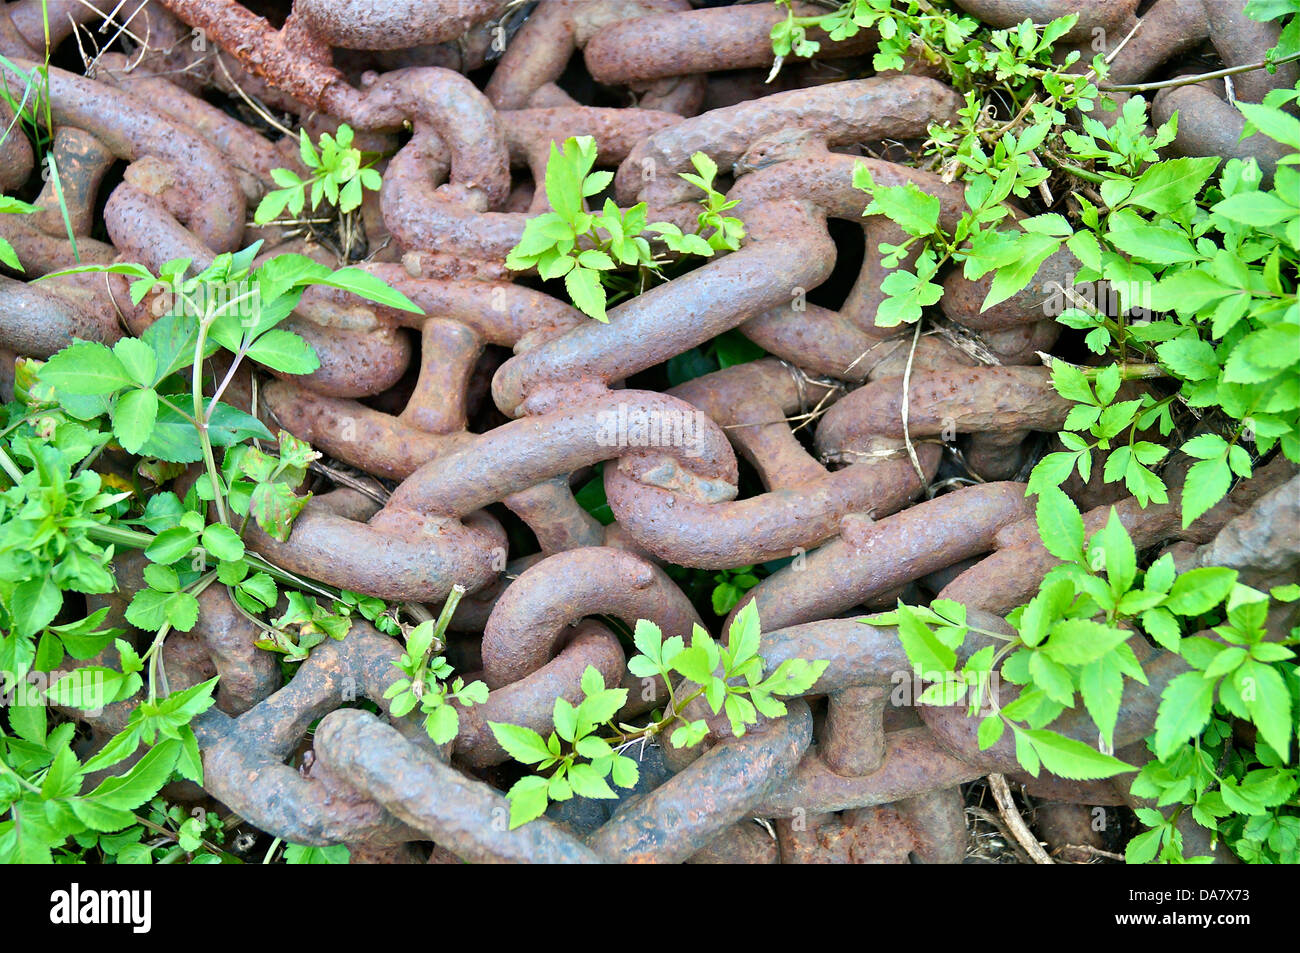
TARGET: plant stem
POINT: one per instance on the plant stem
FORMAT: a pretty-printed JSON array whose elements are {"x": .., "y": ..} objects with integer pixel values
[
  {"x": 121, "y": 536},
  {"x": 437, "y": 642},
  {"x": 154, "y": 652},
  {"x": 270, "y": 851},
  {"x": 10, "y": 467},
  {"x": 201, "y": 418},
  {"x": 225, "y": 381},
  {"x": 1189, "y": 80},
  {"x": 1074, "y": 170}
]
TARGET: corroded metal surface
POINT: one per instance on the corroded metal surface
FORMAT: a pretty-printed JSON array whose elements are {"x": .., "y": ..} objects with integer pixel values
[{"x": 501, "y": 393}]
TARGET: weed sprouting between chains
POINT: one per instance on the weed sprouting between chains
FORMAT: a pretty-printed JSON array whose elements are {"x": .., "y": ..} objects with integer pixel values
[
  {"x": 1202, "y": 257},
  {"x": 588, "y": 748},
  {"x": 585, "y": 249},
  {"x": 148, "y": 400}
]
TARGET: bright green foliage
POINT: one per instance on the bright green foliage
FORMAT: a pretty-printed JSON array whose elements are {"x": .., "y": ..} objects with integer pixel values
[
  {"x": 1220, "y": 260},
  {"x": 304, "y": 625},
  {"x": 61, "y": 521},
  {"x": 302, "y": 854},
  {"x": 1288, "y": 44},
  {"x": 338, "y": 173},
  {"x": 161, "y": 834},
  {"x": 1016, "y": 62},
  {"x": 1099, "y": 416},
  {"x": 230, "y": 304},
  {"x": 261, "y": 485},
  {"x": 43, "y": 786},
  {"x": 575, "y": 726},
  {"x": 376, "y": 611},
  {"x": 139, "y": 386},
  {"x": 584, "y": 249},
  {"x": 425, "y": 672},
  {"x": 581, "y": 759},
  {"x": 44, "y": 550},
  {"x": 1245, "y": 793},
  {"x": 13, "y": 206},
  {"x": 1073, "y": 642},
  {"x": 1215, "y": 258},
  {"x": 935, "y": 33},
  {"x": 715, "y": 231},
  {"x": 732, "y": 584},
  {"x": 1201, "y": 259},
  {"x": 1073, "y": 637}
]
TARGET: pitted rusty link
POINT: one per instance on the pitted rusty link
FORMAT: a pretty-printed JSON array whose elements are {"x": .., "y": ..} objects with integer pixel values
[
  {"x": 432, "y": 429},
  {"x": 188, "y": 178},
  {"x": 854, "y": 773},
  {"x": 243, "y": 757},
  {"x": 41, "y": 319},
  {"x": 786, "y": 247},
  {"x": 805, "y": 502},
  {"x": 532, "y": 615},
  {"x": 688, "y": 42},
  {"x": 668, "y": 825},
  {"x": 778, "y": 127},
  {"x": 537, "y": 55},
  {"x": 966, "y": 400},
  {"x": 391, "y": 24},
  {"x": 930, "y": 827},
  {"x": 252, "y": 156},
  {"x": 872, "y": 559},
  {"x": 400, "y": 553}
]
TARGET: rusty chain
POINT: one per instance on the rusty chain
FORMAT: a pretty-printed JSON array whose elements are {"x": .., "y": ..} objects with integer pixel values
[{"x": 852, "y": 777}]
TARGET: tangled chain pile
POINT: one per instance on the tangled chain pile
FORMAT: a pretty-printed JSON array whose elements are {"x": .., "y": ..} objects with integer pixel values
[{"x": 875, "y": 461}]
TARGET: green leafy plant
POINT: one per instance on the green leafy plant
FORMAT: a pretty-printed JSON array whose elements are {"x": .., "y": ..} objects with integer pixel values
[
  {"x": 1096, "y": 414},
  {"x": 718, "y": 232},
  {"x": 425, "y": 677},
  {"x": 1288, "y": 41},
  {"x": 1074, "y": 639},
  {"x": 44, "y": 788},
  {"x": 338, "y": 173},
  {"x": 732, "y": 584},
  {"x": 1241, "y": 788},
  {"x": 32, "y": 109},
  {"x": 1216, "y": 262},
  {"x": 586, "y": 750},
  {"x": 62, "y": 521},
  {"x": 13, "y": 206},
  {"x": 1200, "y": 258},
  {"x": 584, "y": 249},
  {"x": 302, "y": 854}
]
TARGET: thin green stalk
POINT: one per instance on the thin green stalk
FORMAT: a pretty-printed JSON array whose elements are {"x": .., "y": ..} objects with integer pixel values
[
  {"x": 63, "y": 205},
  {"x": 270, "y": 851},
  {"x": 45, "y": 71},
  {"x": 201, "y": 420},
  {"x": 10, "y": 467},
  {"x": 1199, "y": 78},
  {"x": 121, "y": 536}
]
